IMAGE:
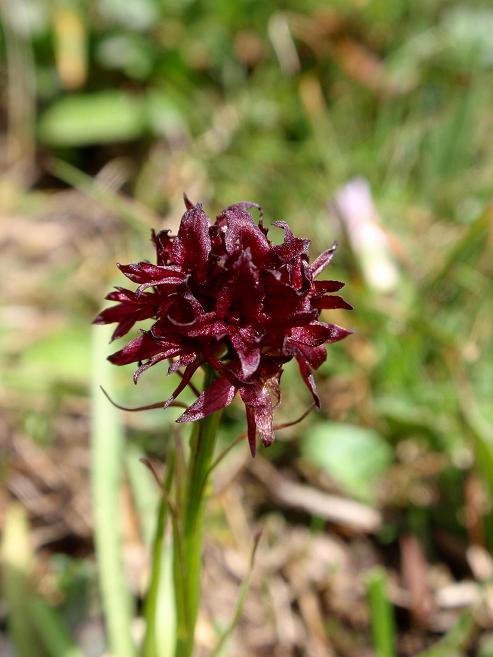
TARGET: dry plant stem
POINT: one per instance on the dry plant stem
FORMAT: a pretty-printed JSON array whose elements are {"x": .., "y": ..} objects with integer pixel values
[{"x": 187, "y": 586}]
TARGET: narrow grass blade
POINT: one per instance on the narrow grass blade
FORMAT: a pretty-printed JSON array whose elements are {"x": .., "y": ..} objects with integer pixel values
[
  {"x": 464, "y": 249},
  {"x": 245, "y": 587},
  {"x": 132, "y": 212},
  {"x": 452, "y": 643},
  {"x": 15, "y": 562},
  {"x": 160, "y": 597},
  {"x": 107, "y": 457},
  {"x": 144, "y": 492},
  {"x": 479, "y": 430},
  {"x": 382, "y": 618},
  {"x": 50, "y": 630},
  {"x": 165, "y": 633}
]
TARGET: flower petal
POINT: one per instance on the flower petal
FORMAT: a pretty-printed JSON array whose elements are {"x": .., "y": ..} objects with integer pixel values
[
  {"x": 246, "y": 347},
  {"x": 183, "y": 360},
  {"x": 331, "y": 302},
  {"x": 318, "y": 333},
  {"x": 321, "y": 287},
  {"x": 251, "y": 429},
  {"x": 218, "y": 395},
  {"x": 242, "y": 232},
  {"x": 146, "y": 272},
  {"x": 187, "y": 375},
  {"x": 257, "y": 396},
  {"x": 192, "y": 245},
  {"x": 164, "y": 355},
  {"x": 129, "y": 311},
  {"x": 308, "y": 378},
  {"x": 292, "y": 247},
  {"x": 140, "y": 348},
  {"x": 319, "y": 264},
  {"x": 163, "y": 243}
]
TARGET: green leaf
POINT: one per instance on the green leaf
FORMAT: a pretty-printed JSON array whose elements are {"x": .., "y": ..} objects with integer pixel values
[
  {"x": 62, "y": 355},
  {"x": 15, "y": 567},
  {"x": 107, "y": 449},
  {"x": 97, "y": 118},
  {"x": 354, "y": 456},
  {"x": 457, "y": 637},
  {"x": 52, "y": 633}
]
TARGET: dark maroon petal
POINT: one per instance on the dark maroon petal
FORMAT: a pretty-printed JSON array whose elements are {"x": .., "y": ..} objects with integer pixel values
[
  {"x": 246, "y": 347},
  {"x": 185, "y": 309},
  {"x": 257, "y": 396},
  {"x": 114, "y": 314},
  {"x": 300, "y": 275},
  {"x": 319, "y": 264},
  {"x": 229, "y": 371},
  {"x": 149, "y": 275},
  {"x": 249, "y": 290},
  {"x": 127, "y": 312},
  {"x": 252, "y": 430},
  {"x": 225, "y": 299},
  {"x": 308, "y": 357},
  {"x": 218, "y": 395},
  {"x": 318, "y": 333},
  {"x": 242, "y": 232},
  {"x": 321, "y": 287},
  {"x": 123, "y": 295},
  {"x": 300, "y": 318},
  {"x": 273, "y": 388},
  {"x": 308, "y": 378},
  {"x": 208, "y": 329},
  {"x": 187, "y": 375},
  {"x": 164, "y": 355},
  {"x": 292, "y": 247},
  {"x": 332, "y": 302},
  {"x": 281, "y": 300},
  {"x": 247, "y": 205},
  {"x": 126, "y": 324},
  {"x": 141, "y": 348},
  {"x": 314, "y": 356},
  {"x": 182, "y": 361},
  {"x": 145, "y": 272},
  {"x": 163, "y": 243},
  {"x": 188, "y": 203},
  {"x": 243, "y": 290},
  {"x": 192, "y": 245}
]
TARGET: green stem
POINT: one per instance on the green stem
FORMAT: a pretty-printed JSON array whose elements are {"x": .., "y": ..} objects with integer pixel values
[
  {"x": 202, "y": 445},
  {"x": 382, "y": 616}
]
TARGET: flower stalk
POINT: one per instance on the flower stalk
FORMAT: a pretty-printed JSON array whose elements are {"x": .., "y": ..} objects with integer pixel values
[{"x": 187, "y": 583}]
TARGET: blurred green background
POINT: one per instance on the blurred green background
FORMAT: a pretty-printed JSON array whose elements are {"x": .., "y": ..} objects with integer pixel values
[{"x": 365, "y": 121}]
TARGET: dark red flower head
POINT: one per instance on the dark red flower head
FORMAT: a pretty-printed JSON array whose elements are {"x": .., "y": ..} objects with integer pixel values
[{"x": 221, "y": 293}]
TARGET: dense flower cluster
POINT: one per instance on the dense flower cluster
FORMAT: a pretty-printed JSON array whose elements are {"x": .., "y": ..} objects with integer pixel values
[{"x": 223, "y": 294}]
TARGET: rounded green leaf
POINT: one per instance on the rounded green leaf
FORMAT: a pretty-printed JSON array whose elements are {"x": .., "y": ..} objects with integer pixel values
[
  {"x": 355, "y": 457},
  {"x": 97, "y": 118}
]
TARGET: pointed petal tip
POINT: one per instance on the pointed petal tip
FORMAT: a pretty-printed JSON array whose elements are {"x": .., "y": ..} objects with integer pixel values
[
  {"x": 188, "y": 203},
  {"x": 218, "y": 395}
]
